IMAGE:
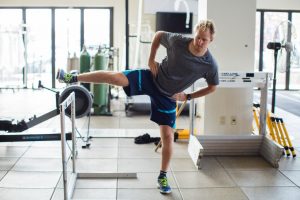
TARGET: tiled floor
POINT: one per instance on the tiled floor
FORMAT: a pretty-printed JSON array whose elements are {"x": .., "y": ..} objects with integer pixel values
[{"x": 32, "y": 170}]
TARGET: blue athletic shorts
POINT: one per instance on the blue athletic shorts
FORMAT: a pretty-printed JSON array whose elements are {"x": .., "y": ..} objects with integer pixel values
[{"x": 163, "y": 108}]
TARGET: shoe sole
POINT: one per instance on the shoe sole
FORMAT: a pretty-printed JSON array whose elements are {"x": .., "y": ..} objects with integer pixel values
[
  {"x": 163, "y": 192},
  {"x": 58, "y": 75}
]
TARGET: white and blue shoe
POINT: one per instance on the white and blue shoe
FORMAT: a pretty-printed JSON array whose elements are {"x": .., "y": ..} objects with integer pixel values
[
  {"x": 64, "y": 77},
  {"x": 163, "y": 185}
]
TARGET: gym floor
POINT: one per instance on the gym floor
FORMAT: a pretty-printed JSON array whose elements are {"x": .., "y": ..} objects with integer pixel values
[{"x": 33, "y": 170}]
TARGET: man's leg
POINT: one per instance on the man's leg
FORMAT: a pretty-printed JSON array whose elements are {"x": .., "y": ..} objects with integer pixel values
[
  {"x": 113, "y": 78},
  {"x": 167, "y": 136}
]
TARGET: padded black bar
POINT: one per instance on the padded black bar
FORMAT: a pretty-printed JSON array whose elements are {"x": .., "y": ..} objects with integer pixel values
[
  {"x": 42, "y": 118},
  {"x": 33, "y": 137}
]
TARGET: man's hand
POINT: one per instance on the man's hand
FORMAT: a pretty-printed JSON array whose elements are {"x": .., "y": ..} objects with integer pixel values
[
  {"x": 153, "y": 67},
  {"x": 154, "y": 46},
  {"x": 181, "y": 96}
]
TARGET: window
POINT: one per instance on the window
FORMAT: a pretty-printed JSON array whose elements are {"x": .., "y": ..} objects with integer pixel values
[
  {"x": 47, "y": 50},
  {"x": 295, "y": 60},
  {"x": 39, "y": 46},
  {"x": 12, "y": 60},
  {"x": 96, "y": 27},
  {"x": 272, "y": 20},
  {"x": 67, "y": 36},
  {"x": 257, "y": 41},
  {"x": 286, "y": 79}
]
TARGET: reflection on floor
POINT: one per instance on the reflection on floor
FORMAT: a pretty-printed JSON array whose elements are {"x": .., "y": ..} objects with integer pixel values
[{"x": 32, "y": 170}]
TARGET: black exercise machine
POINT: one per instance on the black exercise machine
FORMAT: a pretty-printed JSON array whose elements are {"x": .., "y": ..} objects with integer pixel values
[{"x": 84, "y": 101}]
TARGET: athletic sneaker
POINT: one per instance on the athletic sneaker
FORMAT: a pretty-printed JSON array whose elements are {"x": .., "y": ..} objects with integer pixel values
[
  {"x": 163, "y": 185},
  {"x": 64, "y": 77}
]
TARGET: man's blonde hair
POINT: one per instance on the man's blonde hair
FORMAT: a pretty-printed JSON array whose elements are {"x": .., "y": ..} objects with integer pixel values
[{"x": 204, "y": 25}]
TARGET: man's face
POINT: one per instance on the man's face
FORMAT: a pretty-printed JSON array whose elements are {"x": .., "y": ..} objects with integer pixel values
[{"x": 202, "y": 39}]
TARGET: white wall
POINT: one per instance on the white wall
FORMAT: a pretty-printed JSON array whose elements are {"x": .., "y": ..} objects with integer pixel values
[
  {"x": 119, "y": 11},
  {"x": 233, "y": 48},
  {"x": 278, "y": 4},
  {"x": 119, "y": 19},
  {"x": 169, "y": 6},
  {"x": 58, "y": 2}
]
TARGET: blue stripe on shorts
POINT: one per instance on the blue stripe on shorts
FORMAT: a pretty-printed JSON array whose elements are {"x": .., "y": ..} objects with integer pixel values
[{"x": 163, "y": 108}]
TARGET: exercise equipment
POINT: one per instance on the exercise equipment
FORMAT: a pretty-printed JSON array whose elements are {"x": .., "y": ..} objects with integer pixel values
[
  {"x": 69, "y": 183},
  {"x": 83, "y": 97},
  {"x": 85, "y": 64},
  {"x": 256, "y": 116},
  {"x": 237, "y": 145},
  {"x": 285, "y": 37},
  {"x": 286, "y": 135},
  {"x": 84, "y": 102},
  {"x": 72, "y": 62},
  {"x": 181, "y": 134},
  {"x": 282, "y": 136},
  {"x": 277, "y": 131},
  {"x": 101, "y": 91},
  {"x": 269, "y": 124},
  {"x": 85, "y": 61}
]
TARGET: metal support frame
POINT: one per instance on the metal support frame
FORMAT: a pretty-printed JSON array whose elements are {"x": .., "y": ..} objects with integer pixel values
[
  {"x": 238, "y": 145},
  {"x": 69, "y": 185}
]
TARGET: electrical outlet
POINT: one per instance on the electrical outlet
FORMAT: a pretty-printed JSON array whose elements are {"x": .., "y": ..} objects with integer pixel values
[
  {"x": 233, "y": 120},
  {"x": 222, "y": 120}
]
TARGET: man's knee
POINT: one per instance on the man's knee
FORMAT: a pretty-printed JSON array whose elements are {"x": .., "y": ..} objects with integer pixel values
[
  {"x": 119, "y": 79},
  {"x": 167, "y": 133}
]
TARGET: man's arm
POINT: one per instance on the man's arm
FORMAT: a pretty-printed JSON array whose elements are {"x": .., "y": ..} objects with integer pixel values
[
  {"x": 200, "y": 93},
  {"x": 154, "y": 46}
]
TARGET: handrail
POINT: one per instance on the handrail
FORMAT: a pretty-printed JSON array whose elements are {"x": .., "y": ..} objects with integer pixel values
[{"x": 68, "y": 188}]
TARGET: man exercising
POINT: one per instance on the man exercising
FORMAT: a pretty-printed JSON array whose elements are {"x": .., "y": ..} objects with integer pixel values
[{"x": 188, "y": 59}]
